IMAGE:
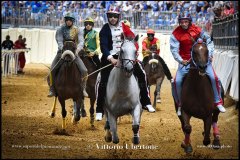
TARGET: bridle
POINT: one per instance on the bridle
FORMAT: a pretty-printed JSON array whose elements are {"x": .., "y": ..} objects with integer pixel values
[
  {"x": 122, "y": 60},
  {"x": 199, "y": 41}
]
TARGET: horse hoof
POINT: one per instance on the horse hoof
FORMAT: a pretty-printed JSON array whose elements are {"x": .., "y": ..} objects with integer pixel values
[
  {"x": 135, "y": 140},
  {"x": 84, "y": 114},
  {"x": 187, "y": 147},
  {"x": 108, "y": 138},
  {"x": 52, "y": 115},
  {"x": 75, "y": 120},
  {"x": 63, "y": 131},
  {"x": 116, "y": 141},
  {"x": 206, "y": 142},
  {"x": 216, "y": 144}
]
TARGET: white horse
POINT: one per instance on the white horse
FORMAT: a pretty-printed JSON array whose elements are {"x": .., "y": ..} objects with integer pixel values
[{"x": 122, "y": 94}]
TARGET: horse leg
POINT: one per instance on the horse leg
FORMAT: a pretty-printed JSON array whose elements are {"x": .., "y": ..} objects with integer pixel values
[
  {"x": 216, "y": 134},
  {"x": 136, "y": 116},
  {"x": 180, "y": 117},
  {"x": 76, "y": 112},
  {"x": 207, "y": 128},
  {"x": 158, "y": 89},
  {"x": 54, "y": 108},
  {"x": 91, "y": 110},
  {"x": 108, "y": 135},
  {"x": 64, "y": 113},
  {"x": 113, "y": 128},
  {"x": 83, "y": 111},
  {"x": 187, "y": 131},
  {"x": 155, "y": 97}
]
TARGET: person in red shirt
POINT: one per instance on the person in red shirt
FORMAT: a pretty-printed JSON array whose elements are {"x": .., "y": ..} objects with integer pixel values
[
  {"x": 181, "y": 42},
  {"x": 20, "y": 44},
  {"x": 149, "y": 44},
  {"x": 231, "y": 10},
  {"x": 21, "y": 58}
]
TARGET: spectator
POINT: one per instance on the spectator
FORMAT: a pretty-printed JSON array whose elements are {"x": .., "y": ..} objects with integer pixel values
[
  {"x": 127, "y": 12},
  {"x": 232, "y": 10},
  {"x": 7, "y": 44},
  {"x": 21, "y": 57},
  {"x": 19, "y": 44}
]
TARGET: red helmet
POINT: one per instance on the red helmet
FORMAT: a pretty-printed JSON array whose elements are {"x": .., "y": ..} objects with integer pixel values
[
  {"x": 184, "y": 15},
  {"x": 150, "y": 31}
]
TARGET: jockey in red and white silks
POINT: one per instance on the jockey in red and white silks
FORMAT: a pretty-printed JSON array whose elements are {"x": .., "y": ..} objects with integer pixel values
[
  {"x": 110, "y": 44},
  {"x": 181, "y": 42}
]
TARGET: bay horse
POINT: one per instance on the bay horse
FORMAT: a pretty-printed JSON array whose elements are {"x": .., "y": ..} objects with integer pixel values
[
  {"x": 122, "y": 94},
  {"x": 68, "y": 83},
  {"x": 91, "y": 66},
  {"x": 198, "y": 98},
  {"x": 155, "y": 74}
]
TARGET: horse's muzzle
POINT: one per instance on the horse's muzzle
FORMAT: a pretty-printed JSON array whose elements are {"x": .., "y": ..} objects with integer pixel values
[{"x": 128, "y": 72}]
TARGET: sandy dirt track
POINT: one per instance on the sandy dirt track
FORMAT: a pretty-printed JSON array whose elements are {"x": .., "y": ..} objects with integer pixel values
[{"x": 28, "y": 131}]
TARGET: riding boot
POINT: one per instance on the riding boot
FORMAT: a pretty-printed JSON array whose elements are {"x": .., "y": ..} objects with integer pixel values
[
  {"x": 101, "y": 92},
  {"x": 54, "y": 67},
  {"x": 83, "y": 70},
  {"x": 52, "y": 92}
]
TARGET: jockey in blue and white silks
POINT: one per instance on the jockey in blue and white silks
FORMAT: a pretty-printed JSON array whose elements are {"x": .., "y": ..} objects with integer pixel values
[
  {"x": 181, "y": 42},
  {"x": 110, "y": 44}
]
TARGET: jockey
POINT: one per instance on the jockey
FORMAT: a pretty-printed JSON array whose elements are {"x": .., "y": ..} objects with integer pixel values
[
  {"x": 181, "y": 42},
  {"x": 147, "y": 43},
  {"x": 110, "y": 43},
  {"x": 67, "y": 31},
  {"x": 91, "y": 41}
]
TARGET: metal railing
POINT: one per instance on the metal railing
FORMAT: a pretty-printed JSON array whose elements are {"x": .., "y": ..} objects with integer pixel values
[
  {"x": 50, "y": 19},
  {"x": 10, "y": 62},
  {"x": 225, "y": 32}
]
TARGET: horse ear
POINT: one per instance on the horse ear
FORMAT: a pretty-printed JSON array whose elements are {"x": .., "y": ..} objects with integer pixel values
[{"x": 136, "y": 38}]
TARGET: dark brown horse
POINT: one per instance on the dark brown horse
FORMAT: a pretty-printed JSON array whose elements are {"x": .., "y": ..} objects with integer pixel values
[
  {"x": 68, "y": 82},
  {"x": 155, "y": 74},
  {"x": 198, "y": 99},
  {"x": 91, "y": 66}
]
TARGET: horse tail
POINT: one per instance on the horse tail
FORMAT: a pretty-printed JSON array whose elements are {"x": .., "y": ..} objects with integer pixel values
[{"x": 68, "y": 52}]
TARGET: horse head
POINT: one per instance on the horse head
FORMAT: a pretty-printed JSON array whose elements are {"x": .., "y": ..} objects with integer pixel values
[
  {"x": 153, "y": 62},
  {"x": 199, "y": 56},
  {"x": 69, "y": 49},
  {"x": 127, "y": 57}
]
